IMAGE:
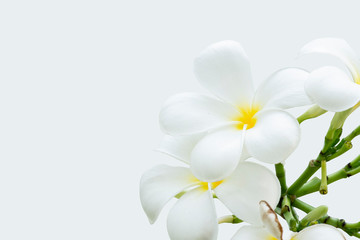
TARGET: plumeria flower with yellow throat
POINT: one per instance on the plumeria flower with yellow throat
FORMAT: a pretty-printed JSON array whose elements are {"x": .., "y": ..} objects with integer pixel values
[
  {"x": 193, "y": 217},
  {"x": 330, "y": 87},
  {"x": 238, "y": 122},
  {"x": 272, "y": 229}
]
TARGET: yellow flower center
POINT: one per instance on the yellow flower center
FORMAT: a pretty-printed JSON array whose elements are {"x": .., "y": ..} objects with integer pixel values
[
  {"x": 204, "y": 185},
  {"x": 357, "y": 80},
  {"x": 271, "y": 238},
  {"x": 213, "y": 185},
  {"x": 246, "y": 117}
]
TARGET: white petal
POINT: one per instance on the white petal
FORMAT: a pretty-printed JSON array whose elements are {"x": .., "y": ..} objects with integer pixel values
[
  {"x": 188, "y": 113},
  {"x": 161, "y": 183},
  {"x": 270, "y": 220},
  {"x": 283, "y": 89},
  {"x": 224, "y": 69},
  {"x": 245, "y": 188},
  {"x": 331, "y": 89},
  {"x": 217, "y": 154},
  {"x": 252, "y": 233},
  {"x": 338, "y": 48},
  {"x": 274, "y": 137},
  {"x": 319, "y": 232},
  {"x": 193, "y": 217},
  {"x": 179, "y": 147}
]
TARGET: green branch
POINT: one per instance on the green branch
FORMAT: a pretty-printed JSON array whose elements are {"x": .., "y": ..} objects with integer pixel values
[
  {"x": 353, "y": 134},
  {"x": 350, "y": 228},
  {"x": 335, "y": 129},
  {"x": 280, "y": 174},
  {"x": 287, "y": 213},
  {"x": 329, "y": 151},
  {"x": 303, "y": 206},
  {"x": 332, "y": 149},
  {"x": 313, "y": 166},
  {"x": 347, "y": 171}
]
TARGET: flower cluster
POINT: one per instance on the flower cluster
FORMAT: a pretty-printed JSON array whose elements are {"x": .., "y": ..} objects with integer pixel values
[{"x": 218, "y": 136}]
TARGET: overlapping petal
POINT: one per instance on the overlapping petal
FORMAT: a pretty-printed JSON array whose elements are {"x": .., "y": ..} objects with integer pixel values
[
  {"x": 179, "y": 147},
  {"x": 270, "y": 220},
  {"x": 338, "y": 48},
  {"x": 217, "y": 154},
  {"x": 189, "y": 113},
  {"x": 245, "y": 188},
  {"x": 284, "y": 89},
  {"x": 319, "y": 232},
  {"x": 160, "y": 184},
  {"x": 193, "y": 217},
  {"x": 274, "y": 137},
  {"x": 331, "y": 89},
  {"x": 224, "y": 69},
  {"x": 252, "y": 233}
]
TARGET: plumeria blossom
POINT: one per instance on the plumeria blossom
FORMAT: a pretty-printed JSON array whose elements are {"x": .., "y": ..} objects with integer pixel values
[
  {"x": 238, "y": 122},
  {"x": 193, "y": 217},
  {"x": 330, "y": 87},
  {"x": 273, "y": 230}
]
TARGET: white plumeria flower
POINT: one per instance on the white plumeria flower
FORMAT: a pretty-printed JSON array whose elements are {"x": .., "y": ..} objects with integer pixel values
[
  {"x": 330, "y": 87},
  {"x": 273, "y": 230},
  {"x": 271, "y": 133},
  {"x": 193, "y": 217}
]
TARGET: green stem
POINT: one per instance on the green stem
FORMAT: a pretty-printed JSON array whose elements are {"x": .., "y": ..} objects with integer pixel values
[
  {"x": 335, "y": 128},
  {"x": 303, "y": 206},
  {"x": 229, "y": 219},
  {"x": 353, "y": 134},
  {"x": 350, "y": 228},
  {"x": 312, "y": 112},
  {"x": 340, "y": 149},
  {"x": 328, "y": 153},
  {"x": 278, "y": 210},
  {"x": 332, "y": 148},
  {"x": 294, "y": 213},
  {"x": 313, "y": 185},
  {"x": 344, "y": 145},
  {"x": 331, "y": 138},
  {"x": 353, "y": 172},
  {"x": 357, "y": 235},
  {"x": 280, "y": 173},
  {"x": 353, "y": 164},
  {"x": 323, "y": 186},
  {"x": 353, "y": 225},
  {"x": 313, "y": 166},
  {"x": 287, "y": 214}
]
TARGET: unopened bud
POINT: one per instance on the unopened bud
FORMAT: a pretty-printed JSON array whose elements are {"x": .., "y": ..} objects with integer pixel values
[{"x": 314, "y": 215}]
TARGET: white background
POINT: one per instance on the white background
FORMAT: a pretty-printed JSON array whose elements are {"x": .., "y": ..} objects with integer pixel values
[{"x": 81, "y": 85}]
